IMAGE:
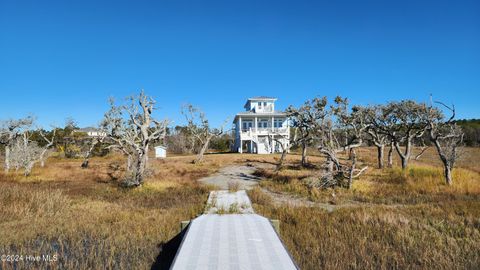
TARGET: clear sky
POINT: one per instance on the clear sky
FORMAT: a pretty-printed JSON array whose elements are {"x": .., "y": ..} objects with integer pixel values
[{"x": 63, "y": 59}]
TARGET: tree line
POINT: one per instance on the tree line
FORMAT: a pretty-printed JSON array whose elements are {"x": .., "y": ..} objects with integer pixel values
[
  {"x": 397, "y": 125},
  {"x": 331, "y": 128},
  {"x": 129, "y": 128}
]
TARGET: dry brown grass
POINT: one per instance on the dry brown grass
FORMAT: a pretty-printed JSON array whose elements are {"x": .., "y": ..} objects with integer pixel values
[
  {"x": 408, "y": 220},
  {"x": 85, "y": 218},
  {"x": 401, "y": 220},
  {"x": 414, "y": 237}
]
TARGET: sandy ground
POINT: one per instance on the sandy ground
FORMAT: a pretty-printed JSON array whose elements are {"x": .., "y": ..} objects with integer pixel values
[{"x": 240, "y": 175}]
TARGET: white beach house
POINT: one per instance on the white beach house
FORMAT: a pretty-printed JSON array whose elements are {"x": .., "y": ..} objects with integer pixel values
[{"x": 260, "y": 128}]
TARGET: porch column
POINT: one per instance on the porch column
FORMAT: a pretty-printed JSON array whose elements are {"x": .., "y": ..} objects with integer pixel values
[
  {"x": 240, "y": 150},
  {"x": 256, "y": 125},
  {"x": 272, "y": 144}
]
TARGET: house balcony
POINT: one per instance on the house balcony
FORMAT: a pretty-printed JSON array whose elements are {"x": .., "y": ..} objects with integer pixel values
[{"x": 250, "y": 133}]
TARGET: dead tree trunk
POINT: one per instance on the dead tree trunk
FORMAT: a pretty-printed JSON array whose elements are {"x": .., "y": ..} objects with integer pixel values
[
  {"x": 304, "y": 154},
  {"x": 390, "y": 156},
  {"x": 203, "y": 150},
  {"x": 405, "y": 155},
  {"x": 352, "y": 168},
  {"x": 7, "y": 158},
  {"x": 86, "y": 158},
  {"x": 140, "y": 167},
  {"x": 282, "y": 159},
  {"x": 45, "y": 148},
  {"x": 380, "y": 150}
]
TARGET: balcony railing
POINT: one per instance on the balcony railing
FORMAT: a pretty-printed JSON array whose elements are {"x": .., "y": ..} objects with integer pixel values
[{"x": 265, "y": 130}]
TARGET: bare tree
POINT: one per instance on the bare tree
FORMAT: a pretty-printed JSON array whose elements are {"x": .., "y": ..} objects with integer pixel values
[
  {"x": 25, "y": 152},
  {"x": 93, "y": 143},
  {"x": 9, "y": 132},
  {"x": 423, "y": 149},
  {"x": 390, "y": 155},
  {"x": 49, "y": 143},
  {"x": 376, "y": 121},
  {"x": 351, "y": 124},
  {"x": 402, "y": 122},
  {"x": 304, "y": 119},
  {"x": 285, "y": 145},
  {"x": 200, "y": 130},
  {"x": 131, "y": 128},
  {"x": 446, "y": 136}
]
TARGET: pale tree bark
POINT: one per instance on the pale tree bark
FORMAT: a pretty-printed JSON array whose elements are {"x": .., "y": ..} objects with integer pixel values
[
  {"x": 380, "y": 151},
  {"x": 377, "y": 138},
  {"x": 304, "y": 154},
  {"x": 351, "y": 125},
  {"x": 203, "y": 149},
  {"x": 285, "y": 144},
  {"x": 199, "y": 130},
  {"x": 25, "y": 153},
  {"x": 47, "y": 146},
  {"x": 390, "y": 156},
  {"x": 132, "y": 128},
  {"x": 406, "y": 122},
  {"x": 88, "y": 154},
  {"x": 305, "y": 118},
  {"x": 423, "y": 149},
  {"x": 9, "y": 131},
  {"x": 446, "y": 136}
]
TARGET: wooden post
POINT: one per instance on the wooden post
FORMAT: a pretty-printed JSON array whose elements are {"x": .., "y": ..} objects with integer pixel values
[
  {"x": 184, "y": 224},
  {"x": 276, "y": 225}
]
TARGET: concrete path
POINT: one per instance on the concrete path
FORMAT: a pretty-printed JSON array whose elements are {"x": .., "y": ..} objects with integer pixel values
[
  {"x": 239, "y": 175},
  {"x": 231, "y": 240}
]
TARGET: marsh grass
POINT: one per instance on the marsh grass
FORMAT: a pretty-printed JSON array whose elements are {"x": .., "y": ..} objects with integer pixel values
[
  {"x": 401, "y": 220},
  {"x": 89, "y": 222},
  {"x": 409, "y": 219}
]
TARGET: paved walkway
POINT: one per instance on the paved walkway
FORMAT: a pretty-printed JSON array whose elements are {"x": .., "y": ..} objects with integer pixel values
[{"x": 231, "y": 241}]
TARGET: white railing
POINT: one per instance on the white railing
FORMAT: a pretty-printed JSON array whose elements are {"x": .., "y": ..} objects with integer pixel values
[{"x": 265, "y": 130}]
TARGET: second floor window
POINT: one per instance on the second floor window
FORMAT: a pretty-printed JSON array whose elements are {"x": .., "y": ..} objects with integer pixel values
[
  {"x": 247, "y": 125},
  {"x": 278, "y": 123}
]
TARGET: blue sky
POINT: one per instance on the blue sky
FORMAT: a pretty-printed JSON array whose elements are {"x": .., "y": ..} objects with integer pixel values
[{"x": 63, "y": 59}]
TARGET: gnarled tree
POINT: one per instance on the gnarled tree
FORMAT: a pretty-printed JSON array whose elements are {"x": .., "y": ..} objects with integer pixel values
[
  {"x": 376, "y": 122},
  {"x": 199, "y": 129},
  {"x": 131, "y": 128},
  {"x": 304, "y": 119},
  {"x": 406, "y": 122},
  {"x": 341, "y": 130},
  {"x": 49, "y": 143},
  {"x": 9, "y": 131},
  {"x": 446, "y": 135}
]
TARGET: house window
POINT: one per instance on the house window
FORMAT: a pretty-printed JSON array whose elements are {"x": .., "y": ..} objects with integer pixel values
[
  {"x": 247, "y": 125},
  {"x": 259, "y": 104},
  {"x": 264, "y": 104},
  {"x": 278, "y": 123},
  {"x": 263, "y": 124}
]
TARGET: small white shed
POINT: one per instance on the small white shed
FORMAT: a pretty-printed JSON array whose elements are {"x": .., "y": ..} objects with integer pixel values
[{"x": 160, "y": 151}]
